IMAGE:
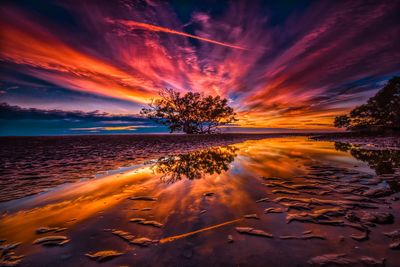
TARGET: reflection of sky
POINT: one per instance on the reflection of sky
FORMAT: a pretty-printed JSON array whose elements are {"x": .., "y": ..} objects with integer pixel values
[
  {"x": 301, "y": 64},
  {"x": 179, "y": 204}
]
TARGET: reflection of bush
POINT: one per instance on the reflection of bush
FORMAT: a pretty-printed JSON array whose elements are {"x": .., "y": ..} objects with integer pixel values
[
  {"x": 196, "y": 164},
  {"x": 382, "y": 161},
  {"x": 342, "y": 146}
]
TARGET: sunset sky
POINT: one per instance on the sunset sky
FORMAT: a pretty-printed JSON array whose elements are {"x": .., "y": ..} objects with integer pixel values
[{"x": 72, "y": 67}]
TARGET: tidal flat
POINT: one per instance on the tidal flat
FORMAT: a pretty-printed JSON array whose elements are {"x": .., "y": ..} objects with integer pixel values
[{"x": 242, "y": 201}]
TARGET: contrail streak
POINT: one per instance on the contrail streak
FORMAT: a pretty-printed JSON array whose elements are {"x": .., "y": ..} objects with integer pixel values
[{"x": 154, "y": 28}]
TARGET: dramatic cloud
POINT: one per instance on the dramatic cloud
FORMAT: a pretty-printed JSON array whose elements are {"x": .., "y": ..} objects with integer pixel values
[
  {"x": 8, "y": 112},
  {"x": 280, "y": 66},
  {"x": 15, "y": 120}
]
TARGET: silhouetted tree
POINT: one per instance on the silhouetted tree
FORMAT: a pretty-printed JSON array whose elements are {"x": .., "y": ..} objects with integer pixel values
[
  {"x": 380, "y": 112},
  {"x": 191, "y": 113}
]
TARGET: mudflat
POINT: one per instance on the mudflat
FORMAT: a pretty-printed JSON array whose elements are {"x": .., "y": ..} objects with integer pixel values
[
  {"x": 284, "y": 201},
  {"x": 29, "y": 165}
]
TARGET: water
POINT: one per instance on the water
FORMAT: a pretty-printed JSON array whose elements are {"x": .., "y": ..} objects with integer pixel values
[{"x": 202, "y": 196}]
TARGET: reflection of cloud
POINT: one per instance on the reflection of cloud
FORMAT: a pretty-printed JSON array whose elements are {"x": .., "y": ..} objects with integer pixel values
[
  {"x": 53, "y": 121},
  {"x": 8, "y": 112}
]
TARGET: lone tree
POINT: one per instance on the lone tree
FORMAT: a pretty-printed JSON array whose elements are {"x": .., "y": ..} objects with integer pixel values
[
  {"x": 381, "y": 112},
  {"x": 191, "y": 113}
]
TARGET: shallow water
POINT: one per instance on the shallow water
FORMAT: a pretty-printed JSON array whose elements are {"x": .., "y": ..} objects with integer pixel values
[
  {"x": 201, "y": 197},
  {"x": 30, "y": 165}
]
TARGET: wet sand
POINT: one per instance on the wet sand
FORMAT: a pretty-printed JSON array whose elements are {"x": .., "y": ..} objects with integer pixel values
[{"x": 271, "y": 202}]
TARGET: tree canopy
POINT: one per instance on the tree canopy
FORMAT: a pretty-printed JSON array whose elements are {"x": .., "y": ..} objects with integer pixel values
[
  {"x": 381, "y": 112},
  {"x": 191, "y": 113}
]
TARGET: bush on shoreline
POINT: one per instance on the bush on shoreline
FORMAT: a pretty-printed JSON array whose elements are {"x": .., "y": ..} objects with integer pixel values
[{"x": 380, "y": 114}]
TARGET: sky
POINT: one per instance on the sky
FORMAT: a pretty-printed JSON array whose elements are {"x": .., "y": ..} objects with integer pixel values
[{"x": 78, "y": 67}]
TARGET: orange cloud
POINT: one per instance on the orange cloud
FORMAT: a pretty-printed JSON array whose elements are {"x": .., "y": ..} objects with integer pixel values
[{"x": 58, "y": 63}]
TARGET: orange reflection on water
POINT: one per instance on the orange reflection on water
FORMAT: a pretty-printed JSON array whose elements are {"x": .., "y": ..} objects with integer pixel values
[
  {"x": 180, "y": 203},
  {"x": 72, "y": 204},
  {"x": 286, "y": 157}
]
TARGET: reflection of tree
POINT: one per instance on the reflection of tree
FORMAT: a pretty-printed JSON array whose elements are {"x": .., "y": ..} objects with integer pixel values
[
  {"x": 382, "y": 161},
  {"x": 196, "y": 164}
]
